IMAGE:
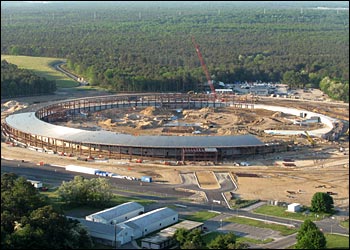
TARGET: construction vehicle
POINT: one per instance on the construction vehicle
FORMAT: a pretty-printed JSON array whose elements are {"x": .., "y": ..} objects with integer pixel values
[
  {"x": 312, "y": 142},
  {"x": 204, "y": 67}
]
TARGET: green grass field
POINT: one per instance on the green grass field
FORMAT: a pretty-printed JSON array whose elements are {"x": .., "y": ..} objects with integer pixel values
[
  {"x": 201, "y": 216},
  {"x": 42, "y": 67},
  {"x": 345, "y": 223},
  {"x": 281, "y": 212},
  {"x": 337, "y": 241},
  {"x": 284, "y": 230},
  {"x": 334, "y": 242},
  {"x": 207, "y": 238}
]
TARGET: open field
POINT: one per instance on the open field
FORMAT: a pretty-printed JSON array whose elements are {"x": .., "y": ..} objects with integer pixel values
[
  {"x": 201, "y": 216},
  {"x": 42, "y": 66},
  {"x": 212, "y": 235},
  {"x": 281, "y": 212},
  {"x": 299, "y": 184},
  {"x": 337, "y": 241},
  {"x": 284, "y": 230},
  {"x": 207, "y": 180}
]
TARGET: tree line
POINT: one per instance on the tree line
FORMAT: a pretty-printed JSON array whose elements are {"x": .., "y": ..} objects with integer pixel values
[
  {"x": 22, "y": 82},
  {"x": 139, "y": 48},
  {"x": 29, "y": 221}
]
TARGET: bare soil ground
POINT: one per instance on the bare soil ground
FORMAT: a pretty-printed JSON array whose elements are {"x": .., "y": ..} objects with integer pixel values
[
  {"x": 207, "y": 180},
  {"x": 205, "y": 121}
]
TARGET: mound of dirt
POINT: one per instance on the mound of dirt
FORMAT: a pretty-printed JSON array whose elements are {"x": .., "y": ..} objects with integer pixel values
[
  {"x": 207, "y": 110},
  {"x": 144, "y": 125},
  {"x": 107, "y": 122},
  {"x": 10, "y": 103},
  {"x": 149, "y": 111},
  {"x": 277, "y": 114},
  {"x": 223, "y": 131},
  {"x": 12, "y": 106}
]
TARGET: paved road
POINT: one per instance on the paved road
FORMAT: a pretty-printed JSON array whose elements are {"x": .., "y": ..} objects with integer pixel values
[
  {"x": 55, "y": 175},
  {"x": 163, "y": 194}
]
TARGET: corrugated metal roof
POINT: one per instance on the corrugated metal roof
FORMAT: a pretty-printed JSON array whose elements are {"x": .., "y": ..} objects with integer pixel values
[
  {"x": 114, "y": 212},
  {"x": 29, "y": 123},
  {"x": 100, "y": 230},
  {"x": 153, "y": 216}
]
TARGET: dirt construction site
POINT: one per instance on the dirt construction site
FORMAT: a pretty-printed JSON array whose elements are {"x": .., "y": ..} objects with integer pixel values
[{"x": 292, "y": 176}]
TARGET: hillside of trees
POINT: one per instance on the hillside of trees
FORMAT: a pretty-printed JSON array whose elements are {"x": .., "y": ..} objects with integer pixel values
[
  {"x": 22, "y": 82},
  {"x": 148, "y": 47}
]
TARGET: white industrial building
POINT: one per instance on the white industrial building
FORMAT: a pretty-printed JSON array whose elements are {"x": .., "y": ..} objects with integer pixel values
[
  {"x": 152, "y": 221},
  {"x": 101, "y": 233},
  {"x": 294, "y": 207},
  {"x": 131, "y": 229},
  {"x": 117, "y": 214}
]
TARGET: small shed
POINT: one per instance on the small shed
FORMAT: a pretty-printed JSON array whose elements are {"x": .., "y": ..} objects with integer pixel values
[
  {"x": 294, "y": 207},
  {"x": 36, "y": 184}
]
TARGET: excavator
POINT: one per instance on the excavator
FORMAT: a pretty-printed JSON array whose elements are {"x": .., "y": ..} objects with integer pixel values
[{"x": 313, "y": 143}]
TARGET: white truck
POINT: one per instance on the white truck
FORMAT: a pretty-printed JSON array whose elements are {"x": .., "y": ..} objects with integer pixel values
[{"x": 82, "y": 169}]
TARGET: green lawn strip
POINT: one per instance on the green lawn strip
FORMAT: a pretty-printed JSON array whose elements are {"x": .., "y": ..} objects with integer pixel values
[
  {"x": 42, "y": 66},
  {"x": 239, "y": 203},
  {"x": 284, "y": 230},
  {"x": 207, "y": 238},
  {"x": 253, "y": 241},
  {"x": 119, "y": 199},
  {"x": 91, "y": 88},
  {"x": 334, "y": 242},
  {"x": 337, "y": 241},
  {"x": 200, "y": 216},
  {"x": 281, "y": 212},
  {"x": 345, "y": 223},
  {"x": 143, "y": 193}
]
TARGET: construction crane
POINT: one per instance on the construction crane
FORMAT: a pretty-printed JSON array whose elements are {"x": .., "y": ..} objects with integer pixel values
[
  {"x": 313, "y": 143},
  {"x": 204, "y": 67}
]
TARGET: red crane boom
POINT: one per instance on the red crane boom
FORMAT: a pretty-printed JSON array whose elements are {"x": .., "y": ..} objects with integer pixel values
[{"x": 204, "y": 67}]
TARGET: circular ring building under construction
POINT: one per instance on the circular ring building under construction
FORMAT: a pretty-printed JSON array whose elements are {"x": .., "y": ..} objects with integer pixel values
[{"x": 34, "y": 131}]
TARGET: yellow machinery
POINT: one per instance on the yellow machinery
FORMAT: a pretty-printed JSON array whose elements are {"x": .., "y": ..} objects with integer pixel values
[{"x": 313, "y": 143}]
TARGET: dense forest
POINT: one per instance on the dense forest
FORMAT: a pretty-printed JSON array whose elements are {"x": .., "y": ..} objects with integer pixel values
[
  {"x": 22, "y": 82},
  {"x": 147, "y": 46}
]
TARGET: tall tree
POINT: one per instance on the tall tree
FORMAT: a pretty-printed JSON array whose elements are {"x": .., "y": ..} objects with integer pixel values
[
  {"x": 310, "y": 237},
  {"x": 322, "y": 202},
  {"x": 189, "y": 239},
  {"x": 226, "y": 241},
  {"x": 80, "y": 191}
]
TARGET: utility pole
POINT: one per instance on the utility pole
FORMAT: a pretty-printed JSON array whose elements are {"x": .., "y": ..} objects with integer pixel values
[{"x": 115, "y": 235}]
